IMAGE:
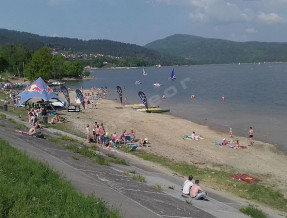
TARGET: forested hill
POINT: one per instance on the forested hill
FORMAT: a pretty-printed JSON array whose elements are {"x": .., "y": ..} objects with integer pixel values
[
  {"x": 105, "y": 47},
  {"x": 216, "y": 51}
]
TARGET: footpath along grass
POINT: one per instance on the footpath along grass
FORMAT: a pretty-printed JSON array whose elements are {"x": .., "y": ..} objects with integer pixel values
[
  {"x": 222, "y": 180},
  {"x": 30, "y": 189}
]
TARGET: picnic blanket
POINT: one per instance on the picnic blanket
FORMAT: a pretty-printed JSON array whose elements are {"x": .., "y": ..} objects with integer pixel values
[
  {"x": 245, "y": 178},
  {"x": 239, "y": 147}
]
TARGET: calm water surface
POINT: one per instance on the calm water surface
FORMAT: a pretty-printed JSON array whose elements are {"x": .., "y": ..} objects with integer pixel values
[{"x": 255, "y": 95}]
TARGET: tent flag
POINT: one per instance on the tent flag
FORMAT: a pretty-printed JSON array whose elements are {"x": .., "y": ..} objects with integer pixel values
[
  {"x": 143, "y": 98},
  {"x": 65, "y": 92},
  {"x": 79, "y": 95},
  {"x": 38, "y": 89},
  {"x": 119, "y": 90}
]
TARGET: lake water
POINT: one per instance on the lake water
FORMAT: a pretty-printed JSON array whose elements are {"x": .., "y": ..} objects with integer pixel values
[{"x": 255, "y": 95}]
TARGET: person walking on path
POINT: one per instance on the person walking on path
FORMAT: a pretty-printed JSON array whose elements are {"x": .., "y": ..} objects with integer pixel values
[
  {"x": 251, "y": 132},
  {"x": 197, "y": 192}
]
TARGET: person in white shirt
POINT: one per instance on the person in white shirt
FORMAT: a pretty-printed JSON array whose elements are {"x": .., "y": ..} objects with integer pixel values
[{"x": 187, "y": 186}]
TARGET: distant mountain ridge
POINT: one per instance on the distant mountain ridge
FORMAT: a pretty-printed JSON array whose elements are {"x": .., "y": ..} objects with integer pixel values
[
  {"x": 97, "y": 46},
  {"x": 217, "y": 51}
]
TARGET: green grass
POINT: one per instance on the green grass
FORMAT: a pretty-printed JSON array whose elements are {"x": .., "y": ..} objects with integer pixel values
[
  {"x": 12, "y": 120},
  {"x": 30, "y": 189},
  {"x": 253, "y": 212},
  {"x": 222, "y": 180},
  {"x": 3, "y": 116},
  {"x": 157, "y": 187},
  {"x": 117, "y": 160},
  {"x": 139, "y": 178}
]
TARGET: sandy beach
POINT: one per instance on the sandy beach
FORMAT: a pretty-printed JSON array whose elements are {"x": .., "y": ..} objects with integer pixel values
[{"x": 165, "y": 134}]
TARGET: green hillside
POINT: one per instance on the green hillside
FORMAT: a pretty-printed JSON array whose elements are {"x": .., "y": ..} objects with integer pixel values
[
  {"x": 105, "y": 47},
  {"x": 217, "y": 51}
]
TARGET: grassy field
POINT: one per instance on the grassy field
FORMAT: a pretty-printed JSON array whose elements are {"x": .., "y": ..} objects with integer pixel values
[{"x": 30, "y": 189}]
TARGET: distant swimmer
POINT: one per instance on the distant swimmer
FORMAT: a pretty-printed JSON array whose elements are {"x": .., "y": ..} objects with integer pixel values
[
  {"x": 222, "y": 98},
  {"x": 163, "y": 97},
  {"x": 192, "y": 97}
]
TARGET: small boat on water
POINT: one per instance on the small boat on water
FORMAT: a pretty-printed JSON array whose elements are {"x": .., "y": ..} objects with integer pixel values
[
  {"x": 138, "y": 82},
  {"x": 158, "y": 111},
  {"x": 149, "y": 109},
  {"x": 156, "y": 85},
  {"x": 172, "y": 75},
  {"x": 134, "y": 105},
  {"x": 144, "y": 73}
]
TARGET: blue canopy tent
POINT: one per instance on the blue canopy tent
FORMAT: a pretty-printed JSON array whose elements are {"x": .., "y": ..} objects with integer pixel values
[{"x": 38, "y": 89}]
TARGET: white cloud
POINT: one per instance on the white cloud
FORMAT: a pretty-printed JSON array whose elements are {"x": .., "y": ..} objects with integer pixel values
[
  {"x": 271, "y": 18},
  {"x": 218, "y": 11}
]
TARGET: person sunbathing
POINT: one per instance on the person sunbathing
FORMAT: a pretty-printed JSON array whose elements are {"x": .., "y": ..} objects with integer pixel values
[{"x": 56, "y": 119}]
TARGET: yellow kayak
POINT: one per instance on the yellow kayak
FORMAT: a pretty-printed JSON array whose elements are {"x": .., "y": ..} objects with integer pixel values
[
  {"x": 150, "y": 109},
  {"x": 134, "y": 105}
]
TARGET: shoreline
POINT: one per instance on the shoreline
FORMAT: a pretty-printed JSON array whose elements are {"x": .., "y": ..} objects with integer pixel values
[{"x": 165, "y": 132}]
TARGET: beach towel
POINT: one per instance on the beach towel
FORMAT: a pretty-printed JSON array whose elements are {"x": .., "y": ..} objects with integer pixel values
[
  {"x": 239, "y": 147},
  {"x": 245, "y": 178},
  {"x": 186, "y": 137},
  {"x": 217, "y": 143}
]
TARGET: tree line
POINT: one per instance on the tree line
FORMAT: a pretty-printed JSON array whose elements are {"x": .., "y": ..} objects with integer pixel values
[{"x": 20, "y": 61}]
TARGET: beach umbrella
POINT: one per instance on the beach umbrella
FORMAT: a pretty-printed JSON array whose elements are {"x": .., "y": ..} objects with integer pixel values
[{"x": 38, "y": 89}]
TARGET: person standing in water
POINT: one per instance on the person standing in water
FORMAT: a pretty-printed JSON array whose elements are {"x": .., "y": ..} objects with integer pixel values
[
  {"x": 251, "y": 132},
  {"x": 230, "y": 132}
]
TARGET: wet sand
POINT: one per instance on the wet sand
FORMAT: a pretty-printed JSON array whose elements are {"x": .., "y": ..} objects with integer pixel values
[{"x": 165, "y": 134}]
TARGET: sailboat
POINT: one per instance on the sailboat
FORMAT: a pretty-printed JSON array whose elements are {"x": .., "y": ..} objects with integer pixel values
[
  {"x": 144, "y": 73},
  {"x": 172, "y": 76}
]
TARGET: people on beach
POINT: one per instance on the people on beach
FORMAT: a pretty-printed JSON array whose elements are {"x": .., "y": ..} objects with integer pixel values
[
  {"x": 251, "y": 132},
  {"x": 55, "y": 119},
  {"x": 197, "y": 192},
  {"x": 102, "y": 133},
  {"x": 187, "y": 186},
  {"x": 224, "y": 142},
  {"x": 237, "y": 146},
  {"x": 223, "y": 98},
  {"x": 230, "y": 132},
  {"x": 192, "y": 97},
  {"x": 195, "y": 137},
  {"x": 163, "y": 97}
]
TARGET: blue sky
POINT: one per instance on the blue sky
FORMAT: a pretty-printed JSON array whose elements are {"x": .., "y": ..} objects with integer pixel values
[{"x": 142, "y": 21}]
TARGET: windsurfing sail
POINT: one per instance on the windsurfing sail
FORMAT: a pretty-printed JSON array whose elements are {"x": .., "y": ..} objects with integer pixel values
[
  {"x": 143, "y": 98},
  {"x": 120, "y": 92},
  {"x": 79, "y": 95},
  {"x": 65, "y": 92},
  {"x": 144, "y": 73},
  {"x": 172, "y": 76}
]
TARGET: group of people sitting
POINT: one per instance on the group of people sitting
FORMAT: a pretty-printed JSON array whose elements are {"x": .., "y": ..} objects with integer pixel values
[
  {"x": 100, "y": 136},
  {"x": 193, "y": 190},
  {"x": 233, "y": 144}
]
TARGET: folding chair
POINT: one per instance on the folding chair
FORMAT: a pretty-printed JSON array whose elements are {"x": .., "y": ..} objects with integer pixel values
[{"x": 127, "y": 139}]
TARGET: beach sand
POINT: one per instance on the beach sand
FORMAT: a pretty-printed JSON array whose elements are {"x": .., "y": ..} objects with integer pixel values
[{"x": 165, "y": 134}]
